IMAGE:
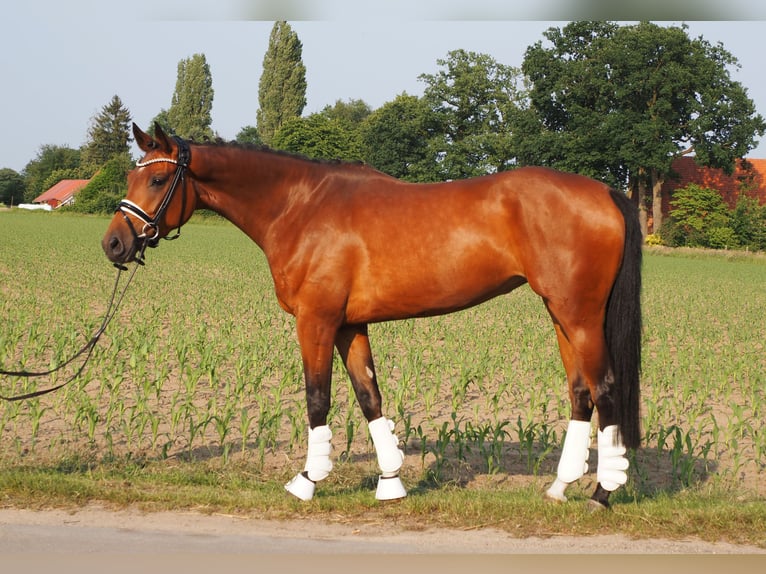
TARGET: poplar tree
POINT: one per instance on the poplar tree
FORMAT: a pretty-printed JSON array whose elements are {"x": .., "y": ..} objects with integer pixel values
[
  {"x": 189, "y": 115},
  {"x": 282, "y": 88}
]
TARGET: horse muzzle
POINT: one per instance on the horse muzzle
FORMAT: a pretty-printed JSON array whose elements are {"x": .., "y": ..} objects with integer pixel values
[
  {"x": 119, "y": 250},
  {"x": 121, "y": 247}
]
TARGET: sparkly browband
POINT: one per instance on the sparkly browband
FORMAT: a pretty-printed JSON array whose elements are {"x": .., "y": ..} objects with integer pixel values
[{"x": 156, "y": 160}]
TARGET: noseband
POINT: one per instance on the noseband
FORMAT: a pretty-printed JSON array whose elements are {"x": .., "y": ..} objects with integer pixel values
[{"x": 149, "y": 236}]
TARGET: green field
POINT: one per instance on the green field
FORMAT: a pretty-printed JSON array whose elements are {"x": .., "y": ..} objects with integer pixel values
[{"x": 199, "y": 374}]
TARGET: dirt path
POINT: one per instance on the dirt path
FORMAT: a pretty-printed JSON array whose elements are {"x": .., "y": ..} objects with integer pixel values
[{"x": 97, "y": 531}]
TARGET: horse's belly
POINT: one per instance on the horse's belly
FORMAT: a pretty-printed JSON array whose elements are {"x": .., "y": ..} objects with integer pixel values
[{"x": 429, "y": 287}]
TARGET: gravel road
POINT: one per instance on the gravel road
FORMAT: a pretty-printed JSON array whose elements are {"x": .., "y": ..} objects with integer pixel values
[{"x": 94, "y": 530}]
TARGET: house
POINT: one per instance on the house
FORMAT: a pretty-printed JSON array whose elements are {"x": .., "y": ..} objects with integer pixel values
[
  {"x": 748, "y": 178},
  {"x": 62, "y": 193}
]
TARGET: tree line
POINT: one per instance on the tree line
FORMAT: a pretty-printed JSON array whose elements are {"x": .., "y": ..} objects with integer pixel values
[{"x": 615, "y": 102}]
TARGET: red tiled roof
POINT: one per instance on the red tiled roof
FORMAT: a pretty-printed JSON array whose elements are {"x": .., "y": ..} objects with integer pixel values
[{"x": 61, "y": 192}]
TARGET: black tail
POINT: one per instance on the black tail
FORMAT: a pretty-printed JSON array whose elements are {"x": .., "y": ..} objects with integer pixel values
[{"x": 623, "y": 326}]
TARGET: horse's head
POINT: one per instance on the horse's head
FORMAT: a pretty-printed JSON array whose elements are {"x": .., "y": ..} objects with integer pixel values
[{"x": 159, "y": 198}]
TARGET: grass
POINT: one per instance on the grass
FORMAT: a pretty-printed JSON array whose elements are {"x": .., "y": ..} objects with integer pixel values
[
  {"x": 193, "y": 398},
  {"x": 348, "y": 497}
]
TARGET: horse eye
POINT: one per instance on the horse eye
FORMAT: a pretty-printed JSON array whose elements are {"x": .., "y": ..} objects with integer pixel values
[{"x": 157, "y": 181}]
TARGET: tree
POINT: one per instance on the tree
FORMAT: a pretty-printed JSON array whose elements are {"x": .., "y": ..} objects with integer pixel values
[
  {"x": 49, "y": 159},
  {"x": 703, "y": 217},
  {"x": 564, "y": 125},
  {"x": 684, "y": 101},
  {"x": 249, "y": 135},
  {"x": 473, "y": 99},
  {"x": 621, "y": 102},
  {"x": 161, "y": 119},
  {"x": 11, "y": 187},
  {"x": 394, "y": 139},
  {"x": 107, "y": 187},
  {"x": 108, "y": 135},
  {"x": 282, "y": 88},
  {"x": 317, "y": 137},
  {"x": 189, "y": 115},
  {"x": 349, "y": 117},
  {"x": 748, "y": 222},
  {"x": 349, "y": 114}
]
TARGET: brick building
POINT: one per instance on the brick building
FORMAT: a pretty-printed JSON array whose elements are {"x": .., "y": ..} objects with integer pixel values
[{"x": 749, "y": 178}]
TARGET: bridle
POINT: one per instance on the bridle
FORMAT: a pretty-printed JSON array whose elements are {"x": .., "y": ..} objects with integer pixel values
[{"x": 149, "y": 236}]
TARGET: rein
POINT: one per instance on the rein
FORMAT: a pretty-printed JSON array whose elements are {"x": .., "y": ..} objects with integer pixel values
[
  {"x": 87, "y": 349},
  {"x": 125, "y": 207}
]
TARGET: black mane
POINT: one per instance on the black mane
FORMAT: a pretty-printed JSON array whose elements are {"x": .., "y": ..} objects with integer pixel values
[{"x": 220, "y": 143}]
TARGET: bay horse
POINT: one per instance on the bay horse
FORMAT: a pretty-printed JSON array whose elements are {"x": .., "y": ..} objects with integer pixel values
[{"x": 348, "y": 246}]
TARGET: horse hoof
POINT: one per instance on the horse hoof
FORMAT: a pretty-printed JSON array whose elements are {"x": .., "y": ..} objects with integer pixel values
[
  {"x": 595, "y": 506},
  {"x": 553, "y": 499},
  {"x": 556, "y": 492},
  {"x": 390, "y": 488},
  {"x": 301, "y": 487}
]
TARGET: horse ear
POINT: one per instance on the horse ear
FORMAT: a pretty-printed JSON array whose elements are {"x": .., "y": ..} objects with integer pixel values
[
  {"x": 144, "y": 141},
  {"x": 147, "y": 143},
  {"x": 161, "y": 139}
]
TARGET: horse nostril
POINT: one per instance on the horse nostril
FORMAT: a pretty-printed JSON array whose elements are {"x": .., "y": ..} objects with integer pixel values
[{"x": 115, "y": 245}]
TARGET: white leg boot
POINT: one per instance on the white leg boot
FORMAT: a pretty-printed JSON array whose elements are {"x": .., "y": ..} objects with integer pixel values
[
  {"x": 612, "y": 463},
  {"x": 390, "y": 459},
  {"x": 318, "y": 464},
  {"x": 574, "y": 459}
]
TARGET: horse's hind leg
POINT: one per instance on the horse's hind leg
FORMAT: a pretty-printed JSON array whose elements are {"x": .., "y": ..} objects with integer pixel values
[
  {"x": 353, "y": 344},
  {"x": 573, "y": 463},
  {"x": 591, "y": 383}
]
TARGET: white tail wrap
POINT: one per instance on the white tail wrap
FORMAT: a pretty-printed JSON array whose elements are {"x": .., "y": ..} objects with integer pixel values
[
  {"x": 390, "y": 456},
  {"x": 318, "y": 463},
  {"x": 612, "y": 463}
]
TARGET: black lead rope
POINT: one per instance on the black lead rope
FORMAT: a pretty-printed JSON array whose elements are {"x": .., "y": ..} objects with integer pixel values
[
  {"x": 87, "y": 349},
  {"x": 125, "y": 207}
]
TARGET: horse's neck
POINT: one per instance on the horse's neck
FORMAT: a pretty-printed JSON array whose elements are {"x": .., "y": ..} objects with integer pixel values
[{"x": 252, "y": 188}]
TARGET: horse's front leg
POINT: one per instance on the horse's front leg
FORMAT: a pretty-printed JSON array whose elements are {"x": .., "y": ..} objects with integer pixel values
[
  {"x": 353, "y": 345},
  {"x": 316, "y": 338}
]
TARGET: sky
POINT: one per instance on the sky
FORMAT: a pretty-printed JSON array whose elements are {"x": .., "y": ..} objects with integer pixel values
[{"x": 61, "y": 62}]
